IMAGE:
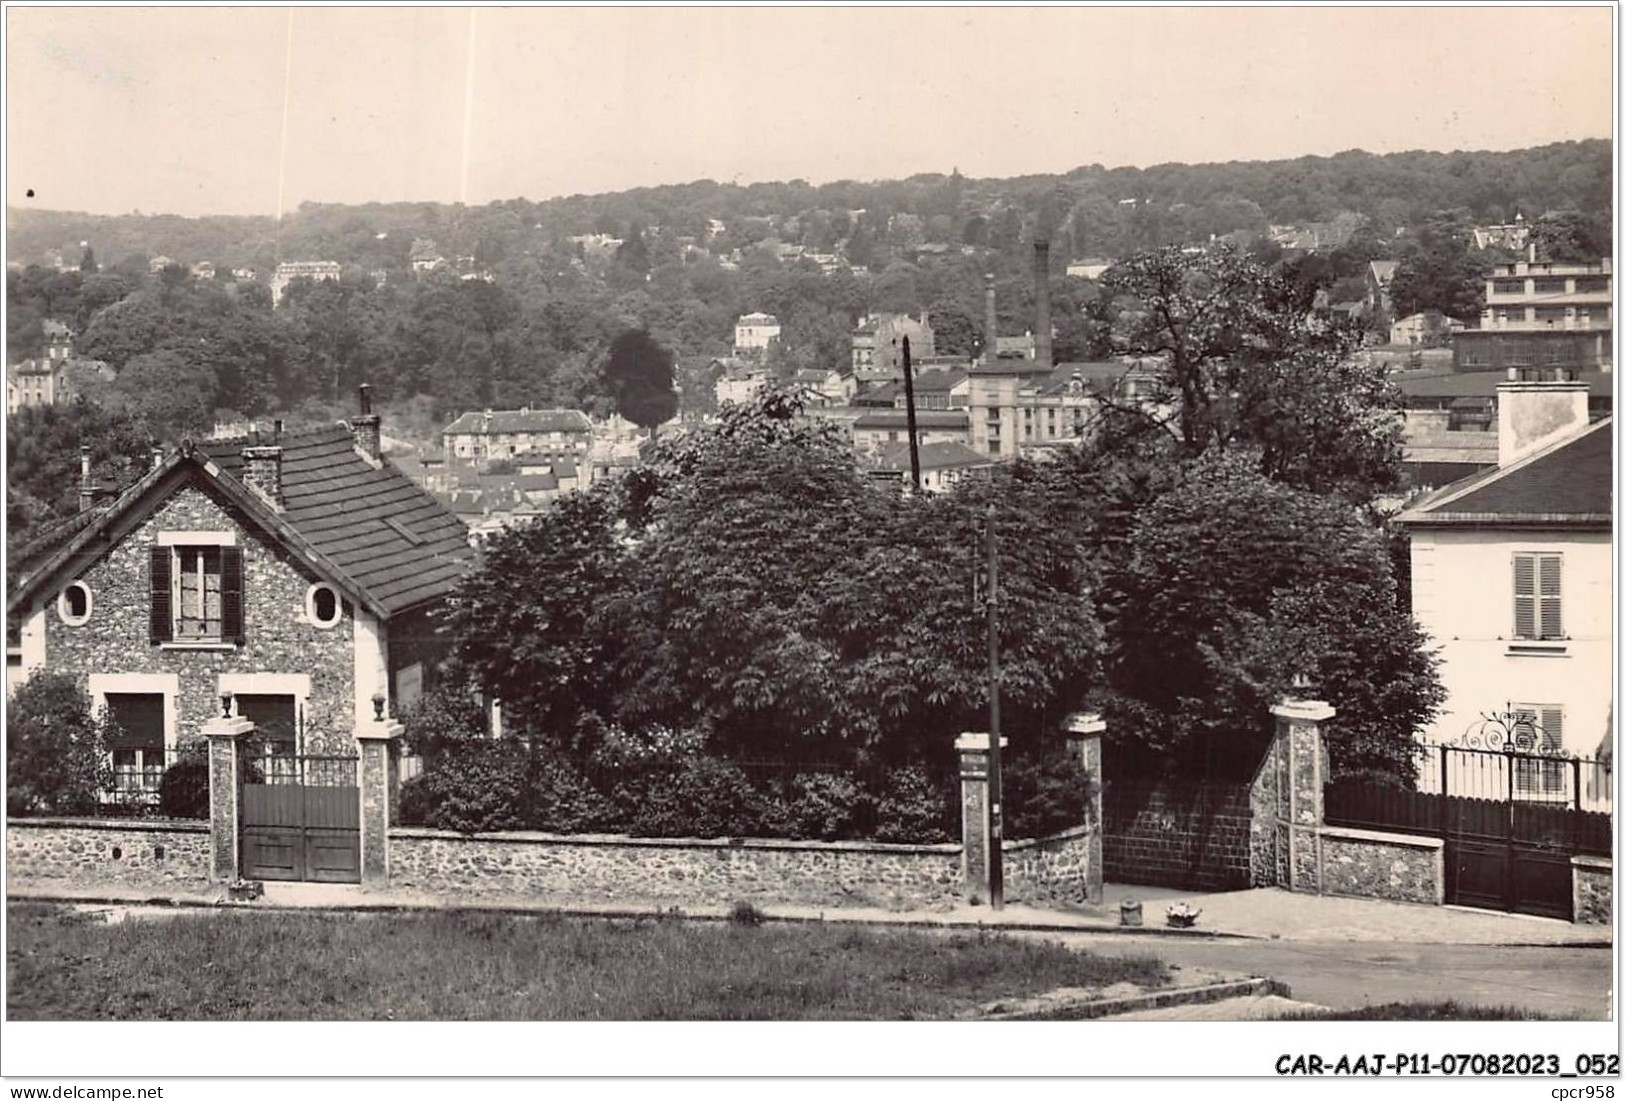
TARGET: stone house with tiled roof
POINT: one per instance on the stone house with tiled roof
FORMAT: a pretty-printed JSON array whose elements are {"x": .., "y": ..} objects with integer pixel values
[
  {"x": 295, "y": 577},
  {"x": 1512, "y": 572},
  {"x": 506, "y": 433}
]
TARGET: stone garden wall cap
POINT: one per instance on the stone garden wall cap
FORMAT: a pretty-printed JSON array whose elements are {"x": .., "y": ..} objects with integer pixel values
[
  {"x": 977, "y": 740},
  {"x": 380, "y": 730},
  {"x": 228, "y": 728},
  {"x": 1316, "y": 710},
  {"x": 1085, "y": 722}
]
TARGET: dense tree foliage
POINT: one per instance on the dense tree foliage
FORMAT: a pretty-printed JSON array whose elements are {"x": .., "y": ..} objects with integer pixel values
[
  {"x": 42, "y": 461},
  {"x": 56, "y": 749},
  {"x": 1244, "y": 365},
  {"x": 639, "y": 374},
  {"x": 1440, "y": 270}
]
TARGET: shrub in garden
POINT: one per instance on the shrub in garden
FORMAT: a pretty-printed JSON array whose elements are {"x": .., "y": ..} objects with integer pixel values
[
  {"x": 184, "y": 790},
  {"x": 56, "y": 756},
  {"x": 697, "y": 797},
  {"x": 912, "y": 808},
  {"x": 563, "y": 800},
  {"x": 824, "y": 806},
  {"x": 479, "y": 786},
  {"x": 1045, "y": 796}
]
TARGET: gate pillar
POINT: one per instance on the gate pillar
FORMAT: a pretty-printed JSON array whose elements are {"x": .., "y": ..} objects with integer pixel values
[
  {"x": 976, "y": 821},
  {"x": 1084, "y": 732},
  {"x": 226, "y": 736},
  {"x": 1298, "y": 755},
  {"x": 378, "y": 749}
]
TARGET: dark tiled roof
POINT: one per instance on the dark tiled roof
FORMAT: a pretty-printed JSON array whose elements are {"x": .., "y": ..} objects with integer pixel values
[
  {"x": 519, "y": 420},
  {"x": 928, "y": 382},
  {"x": 933, "y": 456},
  {"x": 1482, "y": 384},
  {"x": 924, "y": 418},
  {"x": 1568, "y": 483},
  {"x": 394, "y": 540}
]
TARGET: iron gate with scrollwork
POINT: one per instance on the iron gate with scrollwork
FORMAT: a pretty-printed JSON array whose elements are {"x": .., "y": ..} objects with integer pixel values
[{"x": 1512, "y": 813}]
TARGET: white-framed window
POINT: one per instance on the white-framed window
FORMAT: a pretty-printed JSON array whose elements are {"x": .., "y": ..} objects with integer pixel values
[
  {"x": 1543, "y": 724},
  {"x": 73, "y": 604},
  {"x": 322, "y": 605},
  {"x": 1537, "y": 596},
  {"x": 196, "y": 589}
]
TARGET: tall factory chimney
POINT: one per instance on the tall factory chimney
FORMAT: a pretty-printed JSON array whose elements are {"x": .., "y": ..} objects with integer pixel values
[
  {"x": 1043, "y": 338},
  {"x": 990, "y": 337}
]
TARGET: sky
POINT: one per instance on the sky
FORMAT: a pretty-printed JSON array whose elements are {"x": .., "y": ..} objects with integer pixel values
[{"x": 255, "y": 110}]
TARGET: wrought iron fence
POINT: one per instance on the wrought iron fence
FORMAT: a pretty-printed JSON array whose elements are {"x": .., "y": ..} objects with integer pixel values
[{"x": 157, "y": 781}]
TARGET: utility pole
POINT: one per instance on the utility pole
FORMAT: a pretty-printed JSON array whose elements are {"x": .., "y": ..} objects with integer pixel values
[
  {"x": 913, "y": 428},
  {"x": 995, "y": 778}
]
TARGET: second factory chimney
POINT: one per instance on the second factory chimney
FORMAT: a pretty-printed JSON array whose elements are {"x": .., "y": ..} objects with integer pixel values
[{"x": 1043, "y": 337}]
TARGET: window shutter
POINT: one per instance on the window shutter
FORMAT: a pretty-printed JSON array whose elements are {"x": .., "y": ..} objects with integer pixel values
[
  {"x": 1551, "y": 596},
  {"x": 1523, "y": 596},
  {"x": 1551, "y": 727},
  {"x": 161, "y": 625},
  {"x": 231, "y": 594}
]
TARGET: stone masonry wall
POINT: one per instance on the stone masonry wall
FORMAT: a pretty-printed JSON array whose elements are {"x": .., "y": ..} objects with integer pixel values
[
  {"x": 1263, "y": 798},
  {"x": 97, "y": 852},
  {"x": 1049, "y": 869},
  {"x": 1396, "y": 867},
  {"x": 677, "y": 872},
  {"x": 1196, "y": 836},
  {"x": 1593, "y": 890},
  {"x": 278, "y": 636}
]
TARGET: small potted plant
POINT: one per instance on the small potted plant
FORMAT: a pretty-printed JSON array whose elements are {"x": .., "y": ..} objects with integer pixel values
[{"x": 1182, "y": 915}]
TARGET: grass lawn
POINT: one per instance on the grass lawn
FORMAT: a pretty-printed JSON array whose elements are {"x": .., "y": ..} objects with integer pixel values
[
  {"x": 238, "y": 965},
  {"x": 1427, "y": 1011}
]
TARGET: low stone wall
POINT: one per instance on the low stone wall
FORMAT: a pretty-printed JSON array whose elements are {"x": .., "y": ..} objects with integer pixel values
[
  {"x": 1593, "y": 890},
  {"x": 1197, "y": 836},
  {"x": 1051, "y": 869},
  {"x": 111, "y": 851},
  {"x": 682, "y": 872},
  {"x": 607, "y": 868},
  {"x": 1393, "y": 866}
]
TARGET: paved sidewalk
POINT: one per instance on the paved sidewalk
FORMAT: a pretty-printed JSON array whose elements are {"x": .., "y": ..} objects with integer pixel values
[{"x": 1261, "y": 914}]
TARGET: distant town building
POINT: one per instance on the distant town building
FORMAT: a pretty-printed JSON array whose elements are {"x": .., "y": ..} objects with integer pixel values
[
  {"x": 1379, "y": 282},
  {"x": 504, "y": 434},
  {"x": 874, "y": 429},
  {"x": 244, "y": 275},
  {"x": 41, "y": 381},
  {"x": 203, "y": 269},
  {"x": 158, "y": 264},
  {"x": 942, "y": 465},
  {"x": 425, "y": 257},
  {"x": 741, "y": 384},
  {"x": 1543, "y": 314},
  {"x": 1429, "y": 327},
  {"x": 877, "y": 343},
  {"x": 1088, "y": 269},
  {"x": 1513, "y": 235},
  {"x": 319, "y": 270},
  {"x": 754, "y": 332}
]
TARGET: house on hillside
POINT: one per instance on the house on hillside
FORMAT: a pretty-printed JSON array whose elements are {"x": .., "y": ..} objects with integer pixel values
[
  {"x": 294, "y": 580},
  {"x": 1429, "y": 327},
  {"x": 506, "y": 433},
  {"x": 753, "y": 332},
  {"x": 1379, "y": 284},
  {"x": 1512, "y": 576}
]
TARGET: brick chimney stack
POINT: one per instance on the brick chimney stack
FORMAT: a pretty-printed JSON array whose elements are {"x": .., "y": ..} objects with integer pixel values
[
  {"x": 369, "y": 439},
  {"x": 262, "y": 466},
  {"x": 1043, "y": 336},
  {"x": 990, "y": 347}
]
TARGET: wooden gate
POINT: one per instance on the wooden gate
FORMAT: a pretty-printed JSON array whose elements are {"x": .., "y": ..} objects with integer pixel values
[{"x": 301, "y": 818}]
